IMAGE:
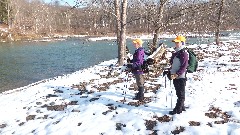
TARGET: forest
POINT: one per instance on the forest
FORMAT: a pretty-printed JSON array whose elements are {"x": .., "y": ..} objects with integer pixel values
[
  {"x": 31, "y": 19},
  {"x": 91, "y": 17}
]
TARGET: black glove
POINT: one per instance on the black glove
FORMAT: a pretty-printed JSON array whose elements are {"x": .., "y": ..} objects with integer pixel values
[
  {"x": 165, "y": 72},
  {"x": 128, "y": 60},
  {"x": 129, "y": 65},
  {"x": 150, "y": 61},
  {"x": 168, "y": 73}
]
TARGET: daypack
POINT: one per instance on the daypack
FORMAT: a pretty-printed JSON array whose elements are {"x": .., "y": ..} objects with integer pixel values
[
  {"x": 192, "y": 60},
  {"x": 146, "y": 63},
  {"x": 144, "y": 67}
]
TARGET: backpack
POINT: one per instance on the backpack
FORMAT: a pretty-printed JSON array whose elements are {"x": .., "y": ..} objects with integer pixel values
[
  {"x": 192, "y": 60},
  {"x": 146, "y": 63},
  {"x": 144, "y": 67}
]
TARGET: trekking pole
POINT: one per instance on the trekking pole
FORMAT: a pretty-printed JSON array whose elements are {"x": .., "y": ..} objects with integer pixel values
[
  {"x": 171, "y": 92},
  {"x": 171, "y": 95},
  {"x": 165, "y": 88}
]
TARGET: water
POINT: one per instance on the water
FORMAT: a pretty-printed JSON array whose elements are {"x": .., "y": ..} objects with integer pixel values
[{"x": 23, "y": 63}]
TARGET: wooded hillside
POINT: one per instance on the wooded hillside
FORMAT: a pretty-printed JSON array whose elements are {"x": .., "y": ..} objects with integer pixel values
[{"x": 35, "y": 18}]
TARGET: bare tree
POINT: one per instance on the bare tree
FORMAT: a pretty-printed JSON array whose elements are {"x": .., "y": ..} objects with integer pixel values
[
  {"x": 158, "y": 23},
  {"x": 121, "y": 24},
  {"x": 120, "y": 14},
  {"x": 218, "y": 22},
  {"x": 4, "y": 11},
  {"x": 105, "y": 17}
]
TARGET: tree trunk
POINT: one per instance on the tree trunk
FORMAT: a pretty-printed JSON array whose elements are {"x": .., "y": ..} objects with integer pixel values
[
  {"x": 155, "y": 37},
  {"x": 121, "y": 29},
  {"x": 118, "y": 24},
  {"x": 217, "y": 33},
  {"x": 8, "y": 16},
  {"x": 158, "y": 23}
]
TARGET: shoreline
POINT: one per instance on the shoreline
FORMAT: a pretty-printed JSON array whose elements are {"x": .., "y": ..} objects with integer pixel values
[
  {"x": 64, "y": 75},
  {"x": 59, "y": 37},
  {"x": 76, "y": 36},
  {"x": 92, "y": 101}
]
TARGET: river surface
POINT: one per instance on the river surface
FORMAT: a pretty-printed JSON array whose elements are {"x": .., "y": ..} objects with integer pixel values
[{"x": 23, "y": 63}]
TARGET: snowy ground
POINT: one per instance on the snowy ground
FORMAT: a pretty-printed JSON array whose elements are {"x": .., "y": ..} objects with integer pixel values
[{"x": 99, "y": 100}]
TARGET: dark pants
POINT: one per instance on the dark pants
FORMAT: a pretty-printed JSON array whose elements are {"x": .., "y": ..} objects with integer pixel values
[
  {"x": 179, "y": 85},
  {"x": 139, "y": 80}
]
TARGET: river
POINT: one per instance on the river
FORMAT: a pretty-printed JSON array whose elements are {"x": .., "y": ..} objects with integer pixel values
[{"x": 23, "y": 63}]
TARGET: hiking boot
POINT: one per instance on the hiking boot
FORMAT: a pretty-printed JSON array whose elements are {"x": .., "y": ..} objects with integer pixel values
[
  {"x": 139, "y": 96},
  {"x": 175, "y": 111},
  {"x": 183, "y": 108},
  {"x": 141, "y": 93},
  {"x": 172, "y": 112},
  {"x": 136, "y": 96}
]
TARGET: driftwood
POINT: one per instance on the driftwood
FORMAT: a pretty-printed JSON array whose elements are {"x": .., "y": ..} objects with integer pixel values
[{"x": 159, "y": 54}]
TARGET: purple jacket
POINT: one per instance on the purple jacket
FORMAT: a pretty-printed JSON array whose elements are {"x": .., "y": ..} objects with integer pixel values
[
  {"x": 179, "y": 63},
  {"x": 138, "y": 58}
]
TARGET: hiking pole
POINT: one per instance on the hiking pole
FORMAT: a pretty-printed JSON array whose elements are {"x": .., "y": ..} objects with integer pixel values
[
  {"x": 125, "y": 87},
  {"x": 165, "y": 74},
  {"x": 171, "y": 92},
  {"x": 165, "y": 88},
  {"x": 171, "y": 95}
]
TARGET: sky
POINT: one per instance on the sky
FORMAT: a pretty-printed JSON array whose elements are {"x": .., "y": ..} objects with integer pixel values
[
  {"x": 70, "y": 2},
  {"x": 99, "y": 100}
]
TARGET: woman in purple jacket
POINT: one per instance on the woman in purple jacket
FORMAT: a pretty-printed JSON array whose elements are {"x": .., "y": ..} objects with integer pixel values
[
  {"x": 137, "y": 62},
  {"x": 179, "y": 63}
]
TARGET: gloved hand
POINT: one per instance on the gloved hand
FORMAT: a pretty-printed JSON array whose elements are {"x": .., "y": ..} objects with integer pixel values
[
  {"x": 129, "y": 67},
  {"x": 128, "y": 60},
  {"x": 165, "y": 72},
  {"x": 174, "y": 76}
]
